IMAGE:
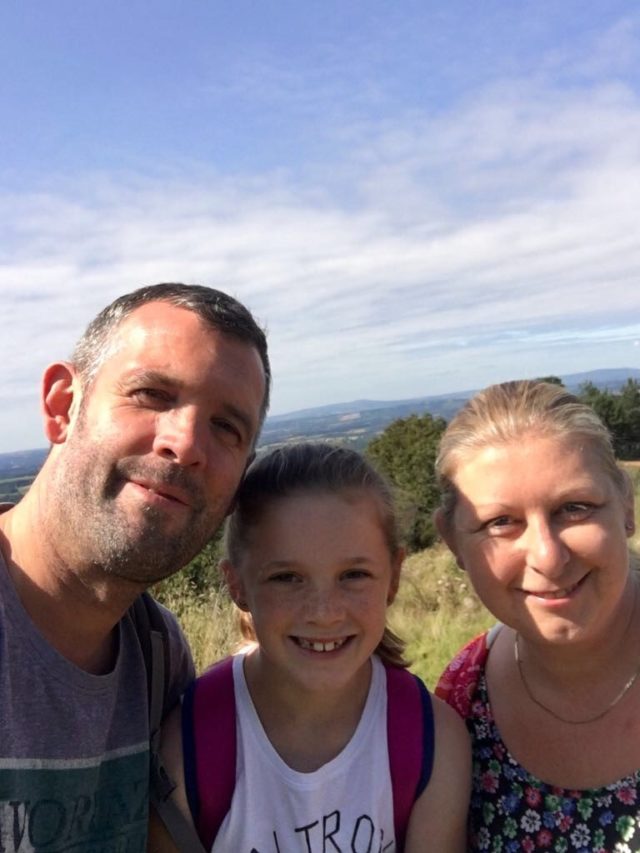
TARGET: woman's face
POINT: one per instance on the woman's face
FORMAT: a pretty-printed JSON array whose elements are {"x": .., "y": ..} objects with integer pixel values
[{"x": 541, "y": 529}]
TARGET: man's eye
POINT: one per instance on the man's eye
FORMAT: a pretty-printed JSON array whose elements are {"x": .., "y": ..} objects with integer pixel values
[
  {"x": 151, "y": 396},
  {"x": 227, "y": 430}
]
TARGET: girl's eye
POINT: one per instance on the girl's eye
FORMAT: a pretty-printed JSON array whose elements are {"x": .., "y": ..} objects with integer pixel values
[
  {"x": 356, "y": 574},
  {"x": 284, "y": 577}
]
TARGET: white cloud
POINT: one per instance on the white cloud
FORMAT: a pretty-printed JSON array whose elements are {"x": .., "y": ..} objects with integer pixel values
[{"x": 440, "y": 253}]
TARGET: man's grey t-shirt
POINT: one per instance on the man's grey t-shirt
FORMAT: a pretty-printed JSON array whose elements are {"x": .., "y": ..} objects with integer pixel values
[{"x": 74, "y": 747}]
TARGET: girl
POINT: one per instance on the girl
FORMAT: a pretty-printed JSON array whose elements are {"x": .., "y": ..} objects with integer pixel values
[{"x": 313, "y": 557}]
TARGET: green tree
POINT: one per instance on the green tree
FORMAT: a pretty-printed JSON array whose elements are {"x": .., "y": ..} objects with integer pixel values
[
  {"x": 198, "y": 578},
  {"x": 620, "y": 412},
  {"x": 552, "y": 380},
  {"x": 405, "y": 452}
]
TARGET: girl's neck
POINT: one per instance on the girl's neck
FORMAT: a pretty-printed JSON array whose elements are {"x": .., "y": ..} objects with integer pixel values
[{"x": 307, "y": 728}]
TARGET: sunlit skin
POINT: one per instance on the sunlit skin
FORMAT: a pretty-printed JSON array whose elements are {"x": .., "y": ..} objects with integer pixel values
[
  {"x": 541, "y": 529},
  {"x": 146, "y": 459},
  {"x": 317, "y": 577}
]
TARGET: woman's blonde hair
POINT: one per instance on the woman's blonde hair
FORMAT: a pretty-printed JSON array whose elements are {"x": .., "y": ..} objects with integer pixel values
[
  {"x": 311, "y": 467},
  {"x": 503, "y": 413}
]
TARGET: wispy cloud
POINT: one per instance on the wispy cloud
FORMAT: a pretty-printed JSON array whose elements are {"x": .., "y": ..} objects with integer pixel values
[{"x": 437, "y": 250}]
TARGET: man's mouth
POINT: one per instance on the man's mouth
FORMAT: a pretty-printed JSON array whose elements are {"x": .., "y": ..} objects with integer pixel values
[{"x": 169, "y": 493}]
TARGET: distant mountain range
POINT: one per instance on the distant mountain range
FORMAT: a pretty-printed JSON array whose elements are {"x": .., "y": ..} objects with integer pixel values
[{"x": 355, "y": 422}]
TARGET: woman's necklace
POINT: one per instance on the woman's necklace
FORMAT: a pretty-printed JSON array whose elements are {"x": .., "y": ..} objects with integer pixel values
[{"x": 546, "y": 708}]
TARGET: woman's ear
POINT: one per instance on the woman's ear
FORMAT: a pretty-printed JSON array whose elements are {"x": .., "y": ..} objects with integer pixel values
[
  {"x": 60, "y": 400},
  {"x": 235, "y": 584},
  {"x": 629, "y": 505},
  {"x": 445, "y": 531}
]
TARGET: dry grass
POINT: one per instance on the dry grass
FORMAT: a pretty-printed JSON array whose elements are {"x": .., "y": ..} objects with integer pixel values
[{"x": 436, "y": 611}]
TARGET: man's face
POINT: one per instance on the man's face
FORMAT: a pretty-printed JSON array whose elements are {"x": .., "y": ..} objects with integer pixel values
[{"x": 158, "y": 444}]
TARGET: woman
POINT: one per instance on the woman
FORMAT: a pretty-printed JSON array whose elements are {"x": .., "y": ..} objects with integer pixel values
[{"x": 537, "y": 512}]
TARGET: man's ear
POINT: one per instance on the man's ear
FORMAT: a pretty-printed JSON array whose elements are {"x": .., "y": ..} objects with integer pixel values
[
  {"x": 234, "y": 584},
  {"x": 60, "y": 400}
]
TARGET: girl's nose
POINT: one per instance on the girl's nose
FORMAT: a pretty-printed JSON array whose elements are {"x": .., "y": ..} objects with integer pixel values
[{"x": 325, "y": 605}]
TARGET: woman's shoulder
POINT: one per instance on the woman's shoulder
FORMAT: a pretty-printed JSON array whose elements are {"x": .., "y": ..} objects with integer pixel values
[{"x": 458, "y": 683}]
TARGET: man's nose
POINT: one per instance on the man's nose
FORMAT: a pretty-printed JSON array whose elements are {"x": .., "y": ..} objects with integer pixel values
[{"x": 180, "y": 437}]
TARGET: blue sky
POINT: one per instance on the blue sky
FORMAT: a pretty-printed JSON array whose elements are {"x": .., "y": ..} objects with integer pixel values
[{"x": 413, "y": 197}]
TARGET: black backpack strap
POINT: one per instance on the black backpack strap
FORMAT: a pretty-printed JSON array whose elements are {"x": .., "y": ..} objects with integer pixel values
[{"x": 153, "y": 636}]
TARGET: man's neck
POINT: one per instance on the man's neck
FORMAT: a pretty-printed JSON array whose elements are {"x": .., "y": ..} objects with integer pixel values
[{"x": 75, "y": 608}]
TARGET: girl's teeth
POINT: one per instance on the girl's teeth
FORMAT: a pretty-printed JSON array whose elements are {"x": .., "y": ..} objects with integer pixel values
[{"x": 320, "y": 647}]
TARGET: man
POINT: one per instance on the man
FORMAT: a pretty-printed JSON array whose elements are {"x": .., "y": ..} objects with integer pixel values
[{"x": 151, "y": 426}]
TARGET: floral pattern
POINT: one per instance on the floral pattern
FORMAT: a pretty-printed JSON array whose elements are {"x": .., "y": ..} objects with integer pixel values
[{"x": 513, "y": 811}]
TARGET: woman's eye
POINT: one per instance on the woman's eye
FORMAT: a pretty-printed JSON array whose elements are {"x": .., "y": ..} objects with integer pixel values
[
  {"x": 577, "y": 510},
  {"x": 499, "y": 524}
]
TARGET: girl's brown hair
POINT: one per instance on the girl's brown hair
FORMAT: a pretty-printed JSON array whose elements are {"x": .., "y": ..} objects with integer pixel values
[{"x": 311, "y": 467}]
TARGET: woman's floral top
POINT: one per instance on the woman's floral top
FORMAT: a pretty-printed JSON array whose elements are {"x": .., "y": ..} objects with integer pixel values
[{"x": 511, "y": 810}]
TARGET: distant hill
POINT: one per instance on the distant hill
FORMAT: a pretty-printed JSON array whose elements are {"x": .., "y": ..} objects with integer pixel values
[
  {"x": 359, "y": 420},
  {"x": 355, "y": 422}
]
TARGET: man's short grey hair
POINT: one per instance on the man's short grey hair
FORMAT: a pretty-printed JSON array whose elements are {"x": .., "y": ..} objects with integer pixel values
[{"x": 215, "y": 308}]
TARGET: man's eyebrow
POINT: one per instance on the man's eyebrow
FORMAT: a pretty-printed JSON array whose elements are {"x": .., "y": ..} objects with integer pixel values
[{"x": 150, "y": 377}]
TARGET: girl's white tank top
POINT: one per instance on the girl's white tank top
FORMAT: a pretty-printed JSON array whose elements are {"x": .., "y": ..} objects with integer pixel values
[{"x": 345, "y": 805}]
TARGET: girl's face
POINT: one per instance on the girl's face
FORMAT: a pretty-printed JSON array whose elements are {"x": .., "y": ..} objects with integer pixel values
[
  {"x": 541, "y": 529},
  {"x": 317, "y": 576}
]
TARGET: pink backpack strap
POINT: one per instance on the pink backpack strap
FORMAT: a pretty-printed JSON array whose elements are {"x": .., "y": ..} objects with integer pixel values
[
  {"x": 458, "y": 683},
  {"x": 410, "y": 737},
  {"x": 209, "y": 748}
]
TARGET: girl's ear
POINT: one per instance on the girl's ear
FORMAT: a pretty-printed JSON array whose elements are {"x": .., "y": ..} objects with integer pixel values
[
  {"x": 235, "y": 584},
  {"x": 60, "y": 400},
  {"x": 396, "y": 568}
]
